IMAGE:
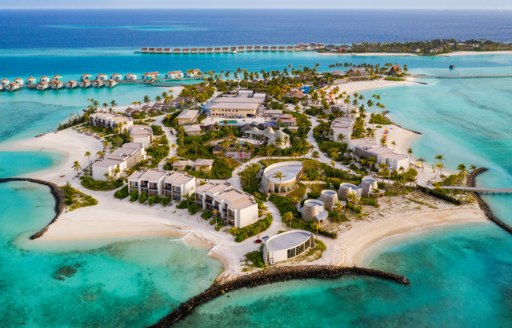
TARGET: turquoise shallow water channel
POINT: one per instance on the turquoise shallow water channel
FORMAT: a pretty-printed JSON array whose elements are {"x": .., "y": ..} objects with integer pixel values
[{"x": 459, "y": 276}]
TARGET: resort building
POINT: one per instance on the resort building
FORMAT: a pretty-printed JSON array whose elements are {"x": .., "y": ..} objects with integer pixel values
[
  {"x": 150, "y": 182},
  {"x": 234, "y": 206},
  {"x": 347, "y": 189},
  {"x": 179, "y": 185},
  {"x": 281, "y": 177},
  {"x": 314, "y": 209},
  {"x": 287, "y": 120},
  {"x": 395, "y": 70},
  {"x": 192, "y": 130},
  {"x": 31, "y": 80},
  {"x": 142, "y": 134},
  {"x": 342, "y": 126},
  {"x": 114, "y": 164},
  {"x": 286, "y": 245},
  {"x": 187, "y": 116},
  {"x": 175, "y": 75},
  {"x": 383, "y": 155},
  {"x": 277, "y": 138},
  {"x": 245, "y": 104},
  {"x": 110, "y": 121},
  {"x": 271, "y": 113}
]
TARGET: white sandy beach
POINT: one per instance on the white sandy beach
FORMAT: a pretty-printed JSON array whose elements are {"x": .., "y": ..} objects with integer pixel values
[
  {"x": 373, "y": 54},
  {"x": 473, "y": 53}
]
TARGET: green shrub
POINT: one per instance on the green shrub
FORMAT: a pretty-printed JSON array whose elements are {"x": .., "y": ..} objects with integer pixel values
[
  {"x": 134, "y": 196},
  {"x": 193, "y": 208},
  {"x": 152, "y": 200},
  {"x": 74, "y": 198},
  {"x": 166, "y": 201},
  {"x": 91, "y": 184},
  {"x": 182, "y": 205},
  {"x": 255, "y": 259},
  {"x": 122, "y": 193},
  {"x": 143, "y": 197},
  {"x": 207, "y": 215},
  {"x": 252, "y": 230}
]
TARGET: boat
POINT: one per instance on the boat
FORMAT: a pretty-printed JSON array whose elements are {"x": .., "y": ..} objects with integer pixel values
[{"x": 452, "y": 67}]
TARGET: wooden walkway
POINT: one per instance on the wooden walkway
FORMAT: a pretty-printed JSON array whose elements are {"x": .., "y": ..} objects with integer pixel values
[
  {"x": 480, "y": 190},
  {"x": 462, "y": 76}
]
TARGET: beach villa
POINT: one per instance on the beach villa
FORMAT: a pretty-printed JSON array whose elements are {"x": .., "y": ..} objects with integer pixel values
[
  {"x": 141, "y": 134},
  {"x": 281, "y": 177},
  {"x": 175, "y": 75},
  {"x": 286, "y": 245},
  {"x": 110, "y": 121},
  {"x": 234, "y": 206},
  {"x": 114, "y": 164},
  {"x": 179, "y": 185},
  {"x": 187, "y": 116}
]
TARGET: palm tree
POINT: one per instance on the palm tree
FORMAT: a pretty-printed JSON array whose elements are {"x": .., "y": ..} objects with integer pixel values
[
  {"x": 100, "y": 154},
  {"x": 88, "y": 155},
  {"x": 409, "y": 152},
  {"x": 421, "y": 161},
  {"x": 279, "y": 175},
  {"x": 147, "y": 100},
  {"x": 76, "y": 166},
  {"x": 288, "y": 217},
  {"x": 315, "y": 225}
]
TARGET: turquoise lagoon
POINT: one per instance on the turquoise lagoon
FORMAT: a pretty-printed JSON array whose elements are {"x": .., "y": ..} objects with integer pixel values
[{"x": 460, "y": 276}]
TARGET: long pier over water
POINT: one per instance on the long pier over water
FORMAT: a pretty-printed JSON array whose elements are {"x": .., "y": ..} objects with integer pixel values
[
  {"x": 231, "y": 49},
  {"x": 463, "y": 76}
]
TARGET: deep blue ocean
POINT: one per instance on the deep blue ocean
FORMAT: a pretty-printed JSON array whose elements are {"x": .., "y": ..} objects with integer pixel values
[
  {"x": 137, "y": 28},
  {"x": 460, "y": 276}
]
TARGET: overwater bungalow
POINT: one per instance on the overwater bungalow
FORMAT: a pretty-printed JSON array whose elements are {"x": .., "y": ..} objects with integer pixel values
[
  {"x": 225, "y": 49},
  {"x": 56, "y": 78},
  {"x": 85, "y": 83},
  {"x": 265, "y": 48},
  {"x": 193, "y": 50},
  {"x": 149, "y": 76},
  {"x": 98, "y": 83},
  {"x": 177, "y": 50},
  {"x": 43, "y": 86},
  {"x": 56, "y": 84},
  {"x": 281, "y": 48},
  {"x": 44, "y": 78},
  {"x": 130, "y": 77},
  {"x": 13, "y": 86},
  {"x": 174, "y": 75},
  {"x": 5, "y": 82},
  {"x": 19, "y": 81},
  {"x": 144, "y": 49},
  {"x": 167, "y": 50},
  {"x": 233, "y": 49},
  {"x": 151, "y": 49},
  {"x": 249, "y": 48},
  {"x": 185, "y": 50},
  {"x": 116, "y": 76},
  {"x": 111, "y": 83},
  {"x": 289, "y": 48},
  {"x": 273, "y": 48},
  {"x": 257, "y": 48},
  {"x": 202, "y": 50},
  {"x": 210, "y": 50},
  {"x": 159, "y": 50},
  {"x": 86, "y": 77},
  {"x": 71, "y": 84},
  {"x": 31, "y": 80},
  {"x": 102, "y": 77},
  {"x": 241, "y": 48}
]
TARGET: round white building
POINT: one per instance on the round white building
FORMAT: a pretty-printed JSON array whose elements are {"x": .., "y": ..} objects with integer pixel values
[
  {"x": 281, "y": 177},
  {"x": 287, "y": 245},
  {"x": 347, "y": 189}
]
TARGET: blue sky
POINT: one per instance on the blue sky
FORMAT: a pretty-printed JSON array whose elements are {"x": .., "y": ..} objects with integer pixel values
[{"x": 406, "y": 4}]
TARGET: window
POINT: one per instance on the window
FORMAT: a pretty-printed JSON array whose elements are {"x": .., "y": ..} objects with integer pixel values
[{"x": 291, "y": 253}]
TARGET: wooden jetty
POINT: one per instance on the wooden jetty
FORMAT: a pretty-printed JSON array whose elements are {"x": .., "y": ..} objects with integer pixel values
[
  {"x": 463, "y": 76},
  {"x": 231, "y": 49}
]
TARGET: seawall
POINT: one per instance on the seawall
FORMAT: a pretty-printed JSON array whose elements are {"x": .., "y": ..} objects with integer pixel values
[
  {"x": 269, "y": 276},
  {"x": 471, "y": 182},
  {"x": 56, "y": 193}
]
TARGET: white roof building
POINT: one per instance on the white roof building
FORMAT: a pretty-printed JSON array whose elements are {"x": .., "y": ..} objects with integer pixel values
[
  {"x": 113, "y": 165},
  {"x": 286, "y": 245}
]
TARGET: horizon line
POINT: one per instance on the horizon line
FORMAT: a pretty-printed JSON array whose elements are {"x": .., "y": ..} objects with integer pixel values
[{"x": 257, "y": 8}]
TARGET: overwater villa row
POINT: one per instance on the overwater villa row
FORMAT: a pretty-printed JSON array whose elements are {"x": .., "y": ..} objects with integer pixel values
[
  {"x": 234, "y": 49},
  {"x": 99, "y": 81}
]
